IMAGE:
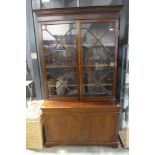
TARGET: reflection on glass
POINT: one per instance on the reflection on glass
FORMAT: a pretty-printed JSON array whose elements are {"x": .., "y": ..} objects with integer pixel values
[
  {"x": 59, "y": 44},
  {"x": 45, "y": 4},
  {"x": 60, "y": 59},
  {"x": 98, "y": 47},
  {"x": 99, "y": 2}
]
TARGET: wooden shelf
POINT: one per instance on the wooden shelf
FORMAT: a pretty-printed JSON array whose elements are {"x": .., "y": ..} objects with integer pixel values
[
  {"x": 61, "y": 66},
  {"x": 89, "y": 85},
  {"x": 73, "y": 66},
  {"x": 96, "y": 85},
  {"x": 99, "y": 65},
  {"x": 48, "y": 46},
  {"x": 69, "y": 85},
  {"x": 86, "y": 45},
  {"x": 105, "y": 45},
  {"x": 96, "y": 94}
]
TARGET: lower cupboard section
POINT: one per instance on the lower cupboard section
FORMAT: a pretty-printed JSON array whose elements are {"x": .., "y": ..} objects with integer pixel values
[{"x": 67, "y": 127}]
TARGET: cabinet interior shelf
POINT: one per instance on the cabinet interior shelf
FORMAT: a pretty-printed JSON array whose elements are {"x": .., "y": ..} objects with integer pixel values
[
  {"x": 73, "y": 66},
  {"x": 92, "y": 85},
  {"x": 105, "y": 45},
  {"x": 98, "y": 65},
  {"x": 89, "y": 85},
  {"x": 69, "y": 85},
  {"x": 86, "y": 45},
  {"x": 65, "y": 66}
]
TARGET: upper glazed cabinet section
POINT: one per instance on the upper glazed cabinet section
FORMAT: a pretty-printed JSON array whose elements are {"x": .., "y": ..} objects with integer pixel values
[{"x": 78, "y": 54}]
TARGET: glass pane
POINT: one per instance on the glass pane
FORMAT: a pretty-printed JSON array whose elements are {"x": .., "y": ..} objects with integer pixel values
[
  {"x": 98, "y": 45},
  {"x": 60, "y": 58},
  {"x": 45, "y": 4},
  {"x": 97, "y": 81},
  {"x": 99, "y": 2}
]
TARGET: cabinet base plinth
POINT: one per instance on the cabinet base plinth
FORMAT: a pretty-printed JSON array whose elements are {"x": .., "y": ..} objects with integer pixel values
[{"x": 108, "y": 144}]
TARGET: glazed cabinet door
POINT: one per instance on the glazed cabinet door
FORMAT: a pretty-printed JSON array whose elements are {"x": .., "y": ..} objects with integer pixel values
[
  {"x": 98, "y": 50},
  {"x": 60, "y": 59}
]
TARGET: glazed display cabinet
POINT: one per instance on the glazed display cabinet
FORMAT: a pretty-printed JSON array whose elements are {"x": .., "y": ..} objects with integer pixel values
[{"x": 78, "y": 55}]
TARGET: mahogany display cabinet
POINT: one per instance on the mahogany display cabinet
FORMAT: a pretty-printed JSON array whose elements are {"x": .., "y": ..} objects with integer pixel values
[{"x": 78, "y": 54}]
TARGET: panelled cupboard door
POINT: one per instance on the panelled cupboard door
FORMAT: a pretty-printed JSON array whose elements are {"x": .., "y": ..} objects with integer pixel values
[
  {"x": 99, "y": 127},
  {"x": 62, "y": 127}
]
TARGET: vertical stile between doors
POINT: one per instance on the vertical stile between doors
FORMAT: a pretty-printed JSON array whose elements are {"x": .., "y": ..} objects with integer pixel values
[{"x": 79, "y": 57}]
